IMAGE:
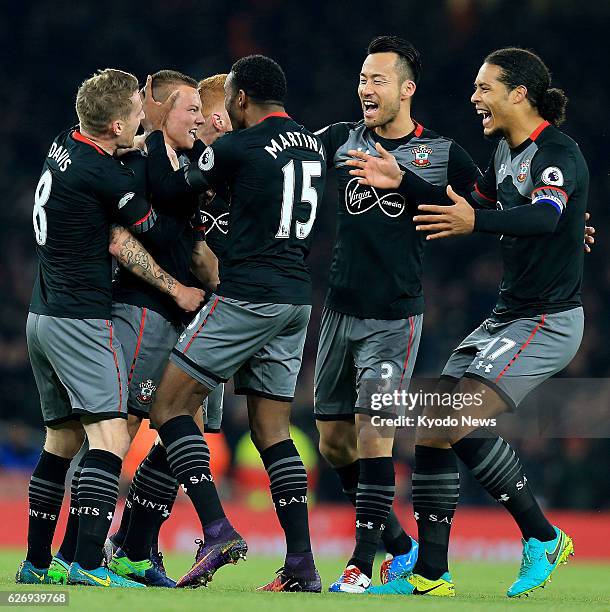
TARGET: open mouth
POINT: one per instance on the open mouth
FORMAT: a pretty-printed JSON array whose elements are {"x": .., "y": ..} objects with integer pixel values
[
  {"x": 193, "y": 133},
  {"x": 370, "y": 108},
  {"x": 487, "y": 117}
]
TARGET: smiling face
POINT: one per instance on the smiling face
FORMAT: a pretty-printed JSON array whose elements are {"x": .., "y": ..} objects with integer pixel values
[
  {"x": 492, "y": 100},
  {"x": 183, "y": 120},
  {"x": 126, "y": 129},
  {"x": 380, "y": 89}
]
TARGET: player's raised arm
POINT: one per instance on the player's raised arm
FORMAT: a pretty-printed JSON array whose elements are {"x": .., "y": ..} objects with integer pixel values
[{"x": 131, "y": 254}]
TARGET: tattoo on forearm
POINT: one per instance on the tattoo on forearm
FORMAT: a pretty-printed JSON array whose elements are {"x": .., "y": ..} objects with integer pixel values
[{"x": 135, "y": 258}]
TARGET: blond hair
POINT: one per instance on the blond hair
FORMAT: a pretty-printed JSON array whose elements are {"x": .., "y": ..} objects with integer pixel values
[
  {"x": 212, "y": 93},
  {"x": 104, "y": 98}
]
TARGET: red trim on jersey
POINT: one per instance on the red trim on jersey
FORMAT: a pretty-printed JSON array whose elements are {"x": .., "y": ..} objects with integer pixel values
[
  {"x": 551, "y": 187},
  {"x": 409, "y": 343},
  {"x": 143, "y": 218},
  {"x": 419, "y": 129},
  {"x": 539, "y": 130},
  {"x": 139, "y": 342},
  {"x": 186, "y": 348},
  {"x": 116, "y": 363},
  {"x": 278, "y": 114},
  {"x": 78, "y": 136},
  {"x": 479, "y": 192},
  {"x": 518, "y": 353}
]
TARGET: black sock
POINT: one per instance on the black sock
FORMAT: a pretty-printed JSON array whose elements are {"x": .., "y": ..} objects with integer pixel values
[
  {"x": 436, "y": 489},
  {"x": 374, "y": 500},
  {"x": 118, "y": 537},
  {"x": 189, "y": 458},
  {"x": 497, "y": 468},
  {"x": 288, "y": 485},
  {"x": 46, "y": 494},
  {"x": 154, "y": 546},
  {"x": 394, "y": 537},
  {"x": 152, "y": 491},
  {"x": 68, "y": 546},
  {"x": 98, "y": 490}
]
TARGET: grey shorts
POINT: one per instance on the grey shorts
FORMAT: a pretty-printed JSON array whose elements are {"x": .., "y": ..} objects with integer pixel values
[
  {"x": 78, "y": 366},
  {"x": 212, "y": 409},
  {"x": 259, "y": 345},
  {"x": 355, "y": 356},
  {"x": 515, "y": 357},
  {"x": 147, "y": 339}
]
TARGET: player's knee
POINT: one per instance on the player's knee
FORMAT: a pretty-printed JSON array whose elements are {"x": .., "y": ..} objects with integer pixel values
[
  {"x": 263, "y": 437},
  {"x": 111, "y": 435},
  {"x": 337, "y": 452},
  {"x": 64, "y": 442},
  {"x": 374, "y": 446}
]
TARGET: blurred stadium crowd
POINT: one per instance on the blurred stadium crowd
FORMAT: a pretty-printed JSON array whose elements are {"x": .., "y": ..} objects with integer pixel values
[{"x": 320, "y": 46}]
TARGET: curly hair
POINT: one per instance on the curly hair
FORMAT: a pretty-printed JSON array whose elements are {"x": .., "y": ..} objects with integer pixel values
[
  {"x": 523, "y": 67},
  {"x": 261, "y": 78}
]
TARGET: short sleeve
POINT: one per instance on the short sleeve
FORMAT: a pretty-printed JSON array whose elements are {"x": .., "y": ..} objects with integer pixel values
[
  {"x": 332, "y": 137},
  {"x": 117, "y": 189}
]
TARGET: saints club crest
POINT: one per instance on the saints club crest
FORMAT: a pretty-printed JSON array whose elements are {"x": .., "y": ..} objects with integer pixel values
[
  {"x": 523, "y": 168},
  {"x": 421, "y": 153},
  {"x": 147, "y": 390}
]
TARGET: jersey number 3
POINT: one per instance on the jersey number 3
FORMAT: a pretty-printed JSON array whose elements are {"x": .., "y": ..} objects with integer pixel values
[
  {"x": 309, "y": 169},
  {"x": 39, "y": 216}
]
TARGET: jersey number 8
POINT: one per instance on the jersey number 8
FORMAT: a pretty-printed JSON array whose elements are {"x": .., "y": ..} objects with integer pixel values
[
  {"x": 39, "y": 216},
  {"x": 310, "y": 169}
]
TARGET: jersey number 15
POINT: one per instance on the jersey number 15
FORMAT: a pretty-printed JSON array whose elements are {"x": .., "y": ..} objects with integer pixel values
[{"x": 309, "y": 170}]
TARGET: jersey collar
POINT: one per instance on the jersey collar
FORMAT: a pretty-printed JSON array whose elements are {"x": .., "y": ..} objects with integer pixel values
[
  {"x": 416, "y": 133},
  {"x": 76, "y": 135},
  {"x": 278, "y": 114},
  {"x": 545, "y": 124}
]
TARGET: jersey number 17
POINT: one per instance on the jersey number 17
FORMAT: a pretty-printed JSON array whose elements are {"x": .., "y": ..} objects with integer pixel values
[{"x": 309, "y": 170}]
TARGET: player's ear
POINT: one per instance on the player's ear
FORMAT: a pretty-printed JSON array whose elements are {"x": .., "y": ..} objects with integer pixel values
[
  {"x": 519, "y": 94},
  {"x": 116, "y": 127},
  {"x": 242, "y": 99},
  {"x": 217, "y": 122},
  {"x": 407, "y": 89}
]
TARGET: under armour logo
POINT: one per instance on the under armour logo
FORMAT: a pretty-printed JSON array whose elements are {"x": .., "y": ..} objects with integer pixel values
[
  {"x": 183, "y": 488},
  {"x": 368, "y": 525},
  {"x": 165, "y": 513},
  {"x": 487, "y": 367},
  {"x": 110, "y": 515},
  {"x": 502, "y": 170},
  {"x": 504, "y": 497}
]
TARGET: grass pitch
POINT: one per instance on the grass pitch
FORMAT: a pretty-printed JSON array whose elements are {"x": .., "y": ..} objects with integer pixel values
[{"x": 479, "y": 586}]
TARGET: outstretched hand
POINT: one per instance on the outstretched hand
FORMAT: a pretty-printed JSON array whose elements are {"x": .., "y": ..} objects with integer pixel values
[
  {"x": 382, "y": 172},
  {"x": 156, "y": 112},
  {"x": 454, "y": 220}
]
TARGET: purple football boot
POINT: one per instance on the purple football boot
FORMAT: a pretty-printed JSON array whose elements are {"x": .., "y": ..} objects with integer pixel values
[{"x": 227, "y": 547}]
